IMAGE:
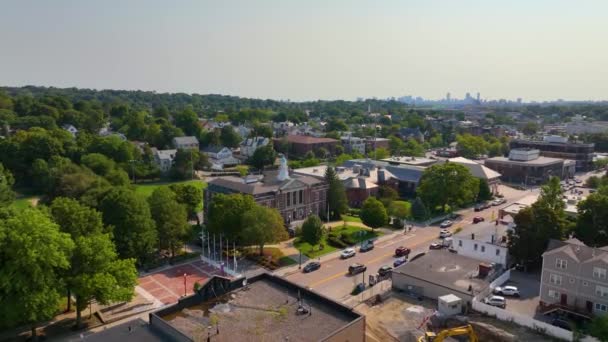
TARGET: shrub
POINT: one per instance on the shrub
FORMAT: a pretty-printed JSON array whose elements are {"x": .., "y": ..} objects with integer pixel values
[
  {"x": 397, "y": 223},
  {"x": 354, "y": 211},
  {"x": 335, "y": 242}
]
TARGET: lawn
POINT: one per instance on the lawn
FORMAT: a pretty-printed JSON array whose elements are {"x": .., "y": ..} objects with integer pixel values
[
  {"x": 352, "y": 234},
  {"x": 314, "y": 251},
  {"x": 348, "y": 218},
  {"x": 24, "y": 202},
  {"x": 355, "y": 234},
  {"x": 147, "y": 189}
]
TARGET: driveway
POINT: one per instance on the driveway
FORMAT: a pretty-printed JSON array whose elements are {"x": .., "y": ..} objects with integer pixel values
[{"x": 529, "y": 286}]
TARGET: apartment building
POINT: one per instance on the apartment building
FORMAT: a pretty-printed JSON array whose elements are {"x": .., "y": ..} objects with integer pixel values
[{"x": 574, "y": 278}]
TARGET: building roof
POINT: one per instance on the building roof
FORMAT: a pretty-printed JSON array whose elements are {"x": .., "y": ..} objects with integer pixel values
[
  {"x": 135, "y": 330},
  {"x": 577, "y": 250},
  {"x": 404, "y": 173},
  {"x": 213, "y": 149},
  {"x": 306, "y": 139},
  {"x": 540, "y": 161},
  {"x": 487, "y": 231},
  {"x": 450, "y": 298},
  {"x": 264, "y": 309},
  {"x": 477, "y": 170},
  {"x": 421, "y": 161},
  {"x": 514, "y": 208},
  {"x": 166, "y": 154},
  {"x": 452, "y": 271},
  {"x": 359, "y": 183},
  {"x": 344, "y": 173},
  {"x": 256, "y": 141},
  {"x": 267, "y": 183},
  {"x": 186, "y": 140}
]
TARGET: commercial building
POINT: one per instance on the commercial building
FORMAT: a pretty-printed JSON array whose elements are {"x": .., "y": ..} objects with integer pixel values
[
  {"x": 440, "y": 272},
  {"x": 528, "y": 167},
  {"x": 294, "y": 196},
  {"x": 485, "y": 241},
  {"x": 559, "y": 147},
  {"x": 300, "y": 145},
  {"x": 574, "y": 278},
  {"x": 414, "y": 161},
  {"x": 185, "y": 143}
]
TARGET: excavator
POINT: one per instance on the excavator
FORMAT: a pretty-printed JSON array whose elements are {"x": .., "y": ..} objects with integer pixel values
[{"x": 430, "y": 336}]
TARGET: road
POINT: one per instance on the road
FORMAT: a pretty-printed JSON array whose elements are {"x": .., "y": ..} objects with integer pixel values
[{"x": 332, "y": 279}]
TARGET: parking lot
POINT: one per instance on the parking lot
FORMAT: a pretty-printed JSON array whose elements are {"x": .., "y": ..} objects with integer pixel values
[{"x": 528, "y": 285}]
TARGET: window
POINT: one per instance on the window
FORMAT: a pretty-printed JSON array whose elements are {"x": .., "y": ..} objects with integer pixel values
[
  {"x": 561, "y": 263},
  {"x": 459, "y": 243},
  {"x": 497, "y": 251},
  {"x": 599, "y": 272},
  {"x": 572, "y": 280},
  {"x": 301, "y": 196},
  {"x": 601, "y": 307},
  {"x": 553, "y": 294},
  {"x": 288, "y": 199},
  {"x": 483, "y": 249},
  {"x": 601, "y": 291},
  {"x": 585, "y": 283},
  {"x": 555, "y": 279},
  {"x": 475, "y": 246},
  {"x": 294, "y": 198}
]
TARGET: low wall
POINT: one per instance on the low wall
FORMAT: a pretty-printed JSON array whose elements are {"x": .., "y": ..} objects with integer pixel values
[{"x": 527, "y": 321}]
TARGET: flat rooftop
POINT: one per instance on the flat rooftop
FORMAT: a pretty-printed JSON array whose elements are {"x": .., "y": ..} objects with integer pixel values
[
  {"x": 484, "y": 231},
  {"x": 538, "y": 161},
  {"x": 523, "y": 203},
  {"x": 135, "y": 330},
  {"x": 264, "y": 310},
  {"x": 447, "y": 269},
  {"x": 419, "y": 161}
]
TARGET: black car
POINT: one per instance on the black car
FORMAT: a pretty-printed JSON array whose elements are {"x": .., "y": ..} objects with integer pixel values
[
  {"x": 479, "y": 207},
  {"x": 312, "y": 266},
  {"x": 356, "y": 269},
  {"x": 366, "y": 247},
  {"x": 384, "y": 270}
]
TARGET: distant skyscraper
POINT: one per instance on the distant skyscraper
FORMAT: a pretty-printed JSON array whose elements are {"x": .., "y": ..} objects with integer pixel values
[
  {"x": 477, "y": 96},
  {"x": 447, "y": 97},
  {"x": 467, "y": 96}
]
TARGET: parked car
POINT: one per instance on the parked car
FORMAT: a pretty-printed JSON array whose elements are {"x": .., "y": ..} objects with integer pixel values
[
  {"x": 499, "y": 201},
  {"x": 561, "y": 323},
  {"x": 578, "y": 181},
  {"x": 498, "y": 301},
  {"x": 486, "y": 205},
  {"x": 400, "y": 261},
  {"x": 478, "y": 219},
  {"x": 478, "y": 207},
  {"x": 368, "y": 246},
  {"x": 446, "y": 223},
  {"x": 312, "y": 266},
  {"x": 384, "y": 270},
  {"x": 347, "y": 253},
  {"x": 444, "y": 233},
  {"x": 356, "y": 269},
  {"x": 402, "y": 251},
  {"x": 435, "y": 246},
  {"x": 358, "y": 289},
  {"x": 507, "y": 291}
]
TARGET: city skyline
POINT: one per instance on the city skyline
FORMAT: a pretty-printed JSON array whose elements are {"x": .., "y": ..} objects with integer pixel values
[{"x": 540, "y": 51}]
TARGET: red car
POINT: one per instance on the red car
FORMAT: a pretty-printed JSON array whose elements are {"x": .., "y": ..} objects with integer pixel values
[
  {"x": 402, "y": 251},
  {"x": 478, "y": 219}
]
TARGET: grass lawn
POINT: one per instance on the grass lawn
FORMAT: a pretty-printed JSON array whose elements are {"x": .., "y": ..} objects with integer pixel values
[
  {"x": 24, "y": 202},
  {"x": 348, "y": 218},
  {"x": 313, "y": 251},
  {"x": 356, "y": 234}
]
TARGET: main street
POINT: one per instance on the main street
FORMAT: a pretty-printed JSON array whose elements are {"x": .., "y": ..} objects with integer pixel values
[{"x": 332, "y": 279}]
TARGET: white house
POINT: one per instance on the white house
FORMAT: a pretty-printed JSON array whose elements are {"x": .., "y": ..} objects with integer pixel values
[
  {"x": 250, "y": 145},
  {"x": 164, "y": 159},
  {"x": 220, "y": 157},
  {"x": 483, "y": 241},
  {"x": 185, "y": 143},
  {"x": 70, "y": 128}
]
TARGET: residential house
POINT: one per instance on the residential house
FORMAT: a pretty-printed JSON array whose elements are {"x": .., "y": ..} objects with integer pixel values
[
  {"x": 185, "y": 143},
  {"x": 372, "y": 143},
  {"x": 574, "y": 278},
  {"x": 220, "y": 157},
  {"x": 164, "y": 159},
  {"x": 353, "y": 144},
  {"x": 250, "y": 145},
  {"x": 71, "y": 129}
]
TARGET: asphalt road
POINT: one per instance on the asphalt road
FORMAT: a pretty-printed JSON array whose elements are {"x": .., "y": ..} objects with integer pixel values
[{"x": 332, "y": 279}]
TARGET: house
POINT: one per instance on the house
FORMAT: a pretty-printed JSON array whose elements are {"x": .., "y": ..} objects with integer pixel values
[
  {"x": 574, "y": 278},
  {"x": 242, "y": 130},
  {"x": 250, "y": 145},
  {"x": 185, "y": 143},
  {"x": 164, "y": 159},
  {"x": 528, "y": 167},
  {"x": 294, "y": 196},
  {"x": 485, "y": 241},
  {"x": 406, "y": 133},
  {"x": 353, "y": 144},
  {"x": 71, "y": 129},
  {"x": 220, "y": 157},
  {"x": 300, "y": 145}
]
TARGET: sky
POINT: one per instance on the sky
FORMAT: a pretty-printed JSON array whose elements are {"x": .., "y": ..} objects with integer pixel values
[{"x": 308, "y": 50}]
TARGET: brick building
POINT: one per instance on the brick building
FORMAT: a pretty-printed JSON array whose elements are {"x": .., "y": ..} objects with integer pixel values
[{"x": 299, "y": 145}]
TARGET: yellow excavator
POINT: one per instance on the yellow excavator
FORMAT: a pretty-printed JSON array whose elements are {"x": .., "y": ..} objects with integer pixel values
[{"x": 430, "y": 336}]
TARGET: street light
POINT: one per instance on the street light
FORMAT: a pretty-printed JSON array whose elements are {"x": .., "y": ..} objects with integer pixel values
[{"x": 185, "y": 277}]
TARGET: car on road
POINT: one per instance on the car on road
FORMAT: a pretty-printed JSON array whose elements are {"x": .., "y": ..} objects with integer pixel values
[
  {"x": 444, "y": 233},
  {"x": 446, "y": 223},
  {"x": 478, "y": 219},
  {"x": 356, "y": 268},
  {"x": 400, "y": 261},
  {"x": 499, "y": 201},
  {"x": 506, "y": 291},
  {"x": 366, "y": 247},
  {"x": 436, "y": 246},
  {"x": 347, "y": 253},
  {"x": 312, "y": 266},
  {"x": 358, "y": 289},
  {"x": 498, "y": 301},
  {"x": 402, "y": 251},
  {"x": 384, "y": 270},
  {"x": 577, "y": 180},
  {"x": 478, "y": 207}
]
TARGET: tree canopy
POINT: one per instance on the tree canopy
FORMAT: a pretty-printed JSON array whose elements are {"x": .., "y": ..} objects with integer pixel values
[
  {"x": 373, "y": 213},
  {"x": 336, "y": 195},
  {"x": 312, "y": 230},
  {"x": 262, "y": 225},
  {"x": 447, "y": 184}
]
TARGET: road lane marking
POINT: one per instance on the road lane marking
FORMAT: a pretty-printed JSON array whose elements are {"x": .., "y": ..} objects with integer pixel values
[{"x": 337, "y": 275}]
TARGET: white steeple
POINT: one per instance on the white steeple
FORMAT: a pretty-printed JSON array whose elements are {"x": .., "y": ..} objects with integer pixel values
[{"x": 283, "y": 169}]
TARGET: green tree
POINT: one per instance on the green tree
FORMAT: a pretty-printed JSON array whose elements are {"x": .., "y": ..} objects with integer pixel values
[
  {"x": 190, "y": 196},
  {"x": 33, "y": 253},
  {"x": 413, "y": 148},
  {"x": 530, "y": 128},
  {"x": 226, "y": 212},
  {"x": 419, "y": 210},
  {"x": 98, "y": 163},
  {"x": 387, "y": 195},
  {"x": 6, "y": 187},
  {"x": 336, "y": 195},
  {"x": 183, "y": 164},
  {"x": 592, "y": 221},
  {"x": 95, "y": 271},
  {"x": 229, "y": 137},
  {"x": 396, "y": 145},
  {"x": 599, "y": 328},
  {"x": 400, "y": 209},
  {"x": 171, "y": 219},
  {"x": 551, "y": 195},
  {"x": 470, "y": 146},
  {"x": 263, "y": 156},
  {"x": 380, "y": 153},
  {"x": 312, "y": 230},
  {"x": 134, "y": 230},
  {"x": 447, "y": 184},
  {"x": 373, "y": 213},
  {"x": 187, "y": 121},
  {"x": 484, "y": 193},
  {"x": 262, "y": 225}
]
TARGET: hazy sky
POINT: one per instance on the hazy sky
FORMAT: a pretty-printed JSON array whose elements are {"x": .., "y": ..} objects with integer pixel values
[{"x": 302, "y": 50}]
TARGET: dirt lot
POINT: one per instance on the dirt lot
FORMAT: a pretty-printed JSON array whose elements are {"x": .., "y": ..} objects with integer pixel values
[{"x": 399, "y": 318}]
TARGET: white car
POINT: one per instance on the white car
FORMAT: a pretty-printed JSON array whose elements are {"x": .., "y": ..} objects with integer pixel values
[
  {"x": 507, "y": 291},
  {"x": 498, "y": 301},
  {"x": 444, "y": 233},
  {"x": 446, "y": 223},
  {"x": 347, "y": 253},
  {"x": 499, "y": 201}
]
